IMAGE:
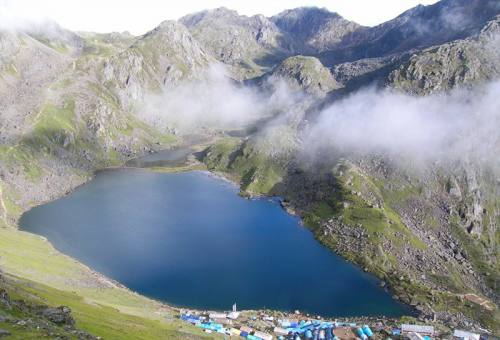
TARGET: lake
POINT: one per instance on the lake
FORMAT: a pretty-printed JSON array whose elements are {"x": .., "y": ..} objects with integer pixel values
[
  {"x": 173, "y": 157},
  {"x": 190, "y": 240}
]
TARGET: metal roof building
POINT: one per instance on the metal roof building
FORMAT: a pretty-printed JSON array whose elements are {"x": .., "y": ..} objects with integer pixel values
[
  {"x": 465, "y": 335},
  {"x": 420, "y": 329}
]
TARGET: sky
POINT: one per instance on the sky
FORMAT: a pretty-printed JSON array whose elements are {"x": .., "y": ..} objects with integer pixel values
[{"x": 140, "y": 16}]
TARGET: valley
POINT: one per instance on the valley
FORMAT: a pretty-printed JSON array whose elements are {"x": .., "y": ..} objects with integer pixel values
[{"x": 382, "y": 140}]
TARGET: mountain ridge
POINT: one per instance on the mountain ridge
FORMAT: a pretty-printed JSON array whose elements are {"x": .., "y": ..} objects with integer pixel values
[{"x": 72, "y": 104}]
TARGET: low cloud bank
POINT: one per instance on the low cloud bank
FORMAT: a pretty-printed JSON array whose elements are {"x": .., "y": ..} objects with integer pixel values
[
  {"x": 213, "y": 100},
  {"x": 461, "y": 125}
]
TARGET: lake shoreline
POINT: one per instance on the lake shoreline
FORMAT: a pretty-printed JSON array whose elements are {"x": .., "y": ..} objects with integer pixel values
[
  {"x": 218, "y": 177},
  {"x": 190, "y": 165},
  {"x": 289, "y": 210}
]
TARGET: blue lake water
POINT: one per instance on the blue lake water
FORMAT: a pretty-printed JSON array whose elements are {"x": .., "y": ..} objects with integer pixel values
[
  {"x": 169, "y": 157},
  {"x": 188, "y": 239}
]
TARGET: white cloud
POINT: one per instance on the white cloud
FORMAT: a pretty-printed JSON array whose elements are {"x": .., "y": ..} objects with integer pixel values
[
  {"x": 213, "y": 100},
  {"x": 461, "y": 125}
]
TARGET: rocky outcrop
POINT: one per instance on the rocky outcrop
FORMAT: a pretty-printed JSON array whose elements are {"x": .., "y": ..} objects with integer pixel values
[
  {"x": 357, "y": 74},
  {"x": 60, "y": 315},
  {"x": 417, "y": 28},
  {"x": 314, "y": 30},
  {"x": 304, "y": 74},
  {"x": 42, "y": 320},
  {"x": 27, "y": 68},
  {"x": 459, "y": 63},
  {"x": 249, "y": 44},
  {"x": 159, "y": 59}
]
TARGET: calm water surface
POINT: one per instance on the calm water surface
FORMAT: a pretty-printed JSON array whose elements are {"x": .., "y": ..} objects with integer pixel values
[
  {"x": 171, "y": 157},
  {"x": 190, "y": 240}
]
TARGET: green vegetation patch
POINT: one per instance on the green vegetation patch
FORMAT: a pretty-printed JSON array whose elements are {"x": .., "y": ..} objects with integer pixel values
[
  {"x": 476, "y": 250},
  {"x": 21, "y": 157},
  {"x": 375, "y": 215},
  {"x": 256, "y": 171},
  {"x": 55, "y": 125}
]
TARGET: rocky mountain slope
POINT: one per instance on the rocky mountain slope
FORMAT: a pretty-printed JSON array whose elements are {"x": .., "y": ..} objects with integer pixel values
[
  {"x": 304, "y": 74},
  {"x": 161, "y": 57},
  {"x": 316, "y": 30},
  {"x": 247, "y": 43},
  {"x": 462, "y": 62},
  {"x": 417, "y": 28},
  {"x": 72, "y": 103},
  {"x": 255, "y": 44},
  {"x": 60, "y": 121}
]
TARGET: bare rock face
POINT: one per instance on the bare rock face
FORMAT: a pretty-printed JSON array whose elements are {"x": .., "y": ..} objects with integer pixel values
[
  {"x": 27, "y": 68},
  {"x": 461, "y": 62},
  {"x": 9, "y": 45},
  {"x": 158, "y": 59},
  {"x": 358, "y": 73},
  {"x": 255, "y": 44},
  {"x": 238, "y": 40},
  {"x": 415, "y": 29},
  {"x": 314, "y": 29},
  {"x": 5, "y": 299}
]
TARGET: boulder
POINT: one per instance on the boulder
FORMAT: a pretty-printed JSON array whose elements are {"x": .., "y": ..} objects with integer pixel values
[{"x": 60, "y": 315}]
